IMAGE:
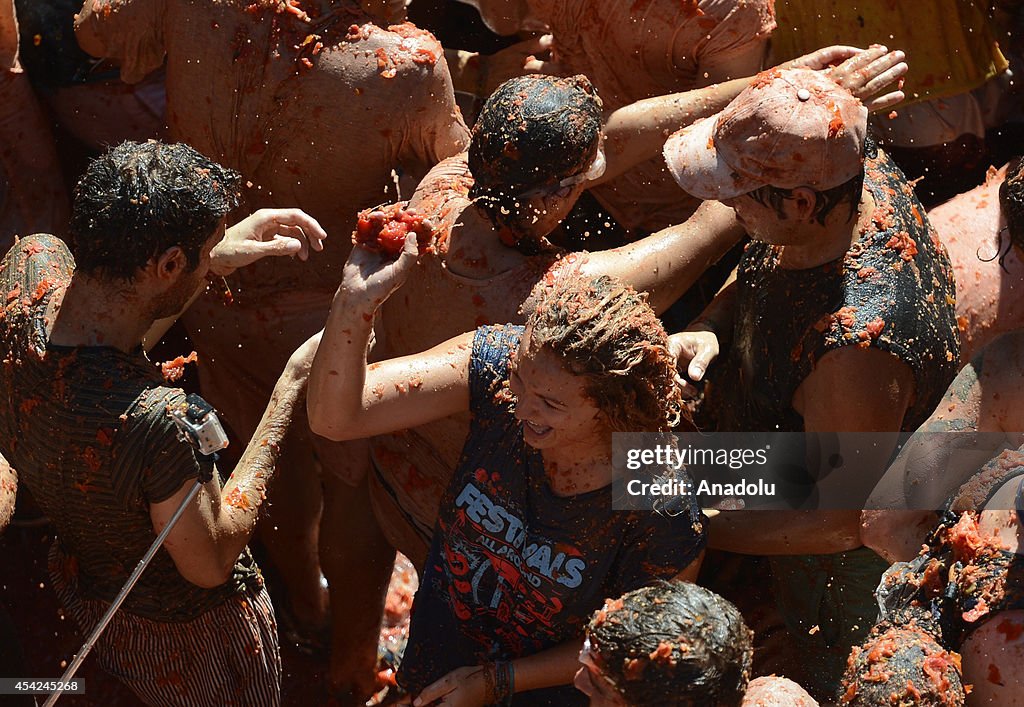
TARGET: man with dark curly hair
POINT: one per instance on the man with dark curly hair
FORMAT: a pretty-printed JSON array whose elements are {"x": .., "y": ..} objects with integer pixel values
[
  {"x": 678, "y": 644},
  {"x": 89, "y": 424}
]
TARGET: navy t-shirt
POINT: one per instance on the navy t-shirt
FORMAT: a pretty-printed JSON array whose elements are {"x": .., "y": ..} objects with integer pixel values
[{"x": 514, "y": 569}]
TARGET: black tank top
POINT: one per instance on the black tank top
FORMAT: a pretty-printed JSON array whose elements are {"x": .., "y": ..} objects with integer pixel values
[{"x": 893, "y": 290}]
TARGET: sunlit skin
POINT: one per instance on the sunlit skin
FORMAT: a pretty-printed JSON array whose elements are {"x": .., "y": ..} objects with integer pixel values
[
  {"x": 989, "y": 273},
  {"x": 551, "y": 403},
  {"x": 618, "y": 45},
  {"x": 321, "y": 129},
  {"x": 564, "y": 425},
  {"x": 986, "y": 397}
]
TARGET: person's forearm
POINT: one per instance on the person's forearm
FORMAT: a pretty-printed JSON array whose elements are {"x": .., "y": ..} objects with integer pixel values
[
  {"x": 637, "y": 132},
  {"x": 785, "y": 532},
  {"x": 666, "y": 264},
  {"x": 550, "y": 668},
  {"x": 338, "y": 376},
  {"x": 720, "y": 314},
  {"x": 245, "y": 491}
]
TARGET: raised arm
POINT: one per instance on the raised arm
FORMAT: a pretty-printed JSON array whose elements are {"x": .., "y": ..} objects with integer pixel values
[
  {"x": 349, "y": 399},
  {"x": 267, "y": 232},
  {"x": 217, "y": 525},
  {"x": 667, "y": 263},
  {"x": 976, "y": 420},
  {"x": 637, "y": 132}
]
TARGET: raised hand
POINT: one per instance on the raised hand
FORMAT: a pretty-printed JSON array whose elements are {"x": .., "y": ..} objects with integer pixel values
[
  {"x": 267, "y": 232},
  {"x": 868, "y": 73},
  {"x": 373, "y": 275}
]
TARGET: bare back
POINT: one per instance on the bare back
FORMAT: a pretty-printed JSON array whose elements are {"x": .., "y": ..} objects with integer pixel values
[{"x": 315, "y": 110}]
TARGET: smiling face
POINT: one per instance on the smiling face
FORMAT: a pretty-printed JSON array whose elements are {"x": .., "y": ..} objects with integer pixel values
[{"x": 552, "y": 403}]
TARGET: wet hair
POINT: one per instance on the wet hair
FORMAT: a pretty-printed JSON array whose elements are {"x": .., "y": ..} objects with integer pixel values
[
  {"x": 825, "y": 202},
  {"x": 605, "y": 332},
  {"x": 673, "y": 643},
  {"x": 1011, "y": 200},
  {"x": 139, "y": 199},
  {"x": 901, "y": 665},
  {"x": 532, "y": 132}
]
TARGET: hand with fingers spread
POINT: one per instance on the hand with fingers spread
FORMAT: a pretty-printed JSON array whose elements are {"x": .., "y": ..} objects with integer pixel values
[
  {"x": 823, "y": 59},
  {"x": 267, "y": 232},
  {"x": 868, "y": 73},
  {"x": 517, "y": 60},
  {"x": 862, "y": 72},
  {"x": 694, "y": 349}
]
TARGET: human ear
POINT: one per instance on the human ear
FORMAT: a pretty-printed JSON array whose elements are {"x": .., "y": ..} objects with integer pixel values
[
  {"x": 171, "y": 263},
  {"x": 802, "y": 203}
]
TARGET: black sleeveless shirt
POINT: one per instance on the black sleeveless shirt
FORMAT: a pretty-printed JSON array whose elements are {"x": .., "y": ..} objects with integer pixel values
[{"x": 893, "y": 290}]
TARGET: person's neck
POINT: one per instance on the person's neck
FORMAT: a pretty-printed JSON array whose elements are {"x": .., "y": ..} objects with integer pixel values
[
  {"x": 475, "y": 249},
  {"x": 578, "y": 469},
  {"x": 824, "y": 244},
  {"x": 96, "y": 313}
]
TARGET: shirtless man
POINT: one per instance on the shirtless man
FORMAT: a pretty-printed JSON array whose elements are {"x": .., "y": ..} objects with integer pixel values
[
  {"x": 315, "y": 103},
  {"x": 637, "y": 50},
  {"x": 989, "y": 266}
]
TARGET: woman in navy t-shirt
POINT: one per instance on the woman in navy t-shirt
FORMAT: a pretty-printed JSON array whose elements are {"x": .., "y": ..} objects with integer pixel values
[{"x": 527, "y": 544}]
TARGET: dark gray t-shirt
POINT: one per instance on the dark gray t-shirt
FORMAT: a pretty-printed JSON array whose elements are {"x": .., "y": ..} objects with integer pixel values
[{"x": 88, "y": 431}]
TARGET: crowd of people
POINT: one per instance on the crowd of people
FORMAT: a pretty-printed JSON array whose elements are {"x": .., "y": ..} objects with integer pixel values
[{"x": 424, "y": 287}]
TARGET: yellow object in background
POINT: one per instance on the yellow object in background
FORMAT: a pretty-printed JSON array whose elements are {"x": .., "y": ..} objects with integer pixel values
[{"x": 949, "y": 45}]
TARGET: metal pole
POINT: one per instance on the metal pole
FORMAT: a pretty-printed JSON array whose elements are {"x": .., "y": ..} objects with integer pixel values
[{"x": 123, "y": 594}]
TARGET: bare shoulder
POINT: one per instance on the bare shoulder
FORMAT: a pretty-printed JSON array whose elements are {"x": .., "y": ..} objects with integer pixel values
[
  {"x": 392, "y": 59},
  {"x": 999, "y": 368}
]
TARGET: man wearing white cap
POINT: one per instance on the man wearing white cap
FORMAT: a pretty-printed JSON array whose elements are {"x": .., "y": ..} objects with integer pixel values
[{"x": 840, "y": 319}]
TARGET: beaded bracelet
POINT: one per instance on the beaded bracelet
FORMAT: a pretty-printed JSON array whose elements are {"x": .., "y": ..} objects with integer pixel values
[
  {"x": 490, "y": 697},
  {"x": 505, "y": 682}
]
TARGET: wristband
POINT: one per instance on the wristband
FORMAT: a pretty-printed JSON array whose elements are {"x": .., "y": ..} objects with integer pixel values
[
  {"x": 505, "y": 679},
  {"x": 490, "y": 697}
]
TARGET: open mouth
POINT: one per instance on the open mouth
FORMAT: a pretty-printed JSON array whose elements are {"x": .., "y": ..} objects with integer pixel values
[{"x": 538, "y": 431}]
